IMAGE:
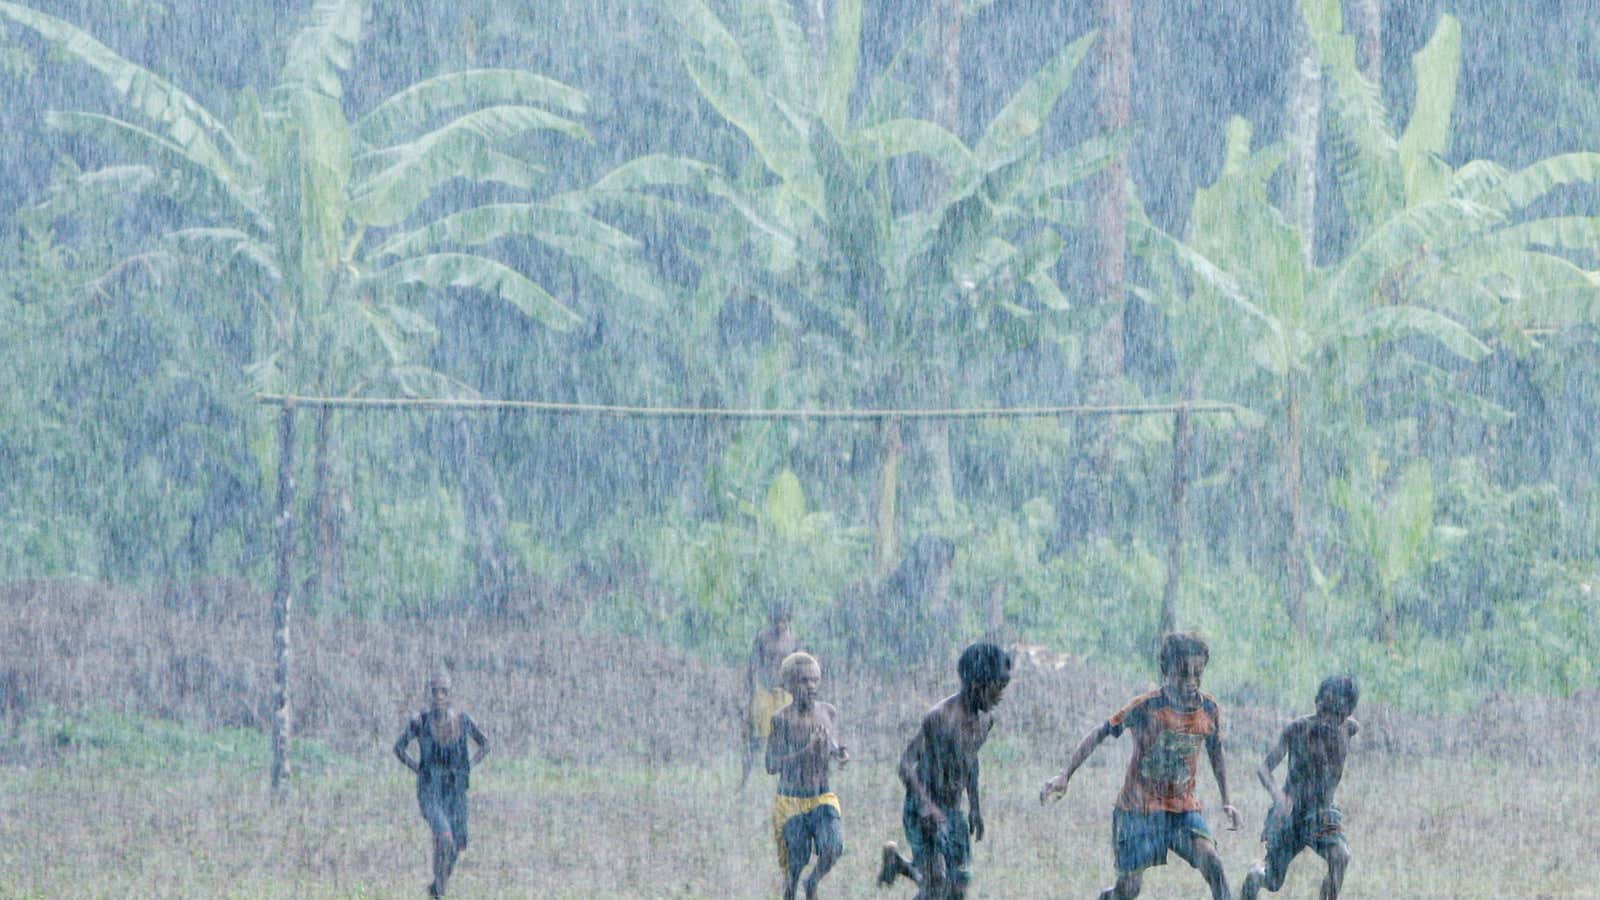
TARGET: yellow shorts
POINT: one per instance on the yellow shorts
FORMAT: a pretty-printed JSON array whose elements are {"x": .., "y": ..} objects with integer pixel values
[
  {"x": 786, "y": 808},
  {"x": 764, "y": 704}
]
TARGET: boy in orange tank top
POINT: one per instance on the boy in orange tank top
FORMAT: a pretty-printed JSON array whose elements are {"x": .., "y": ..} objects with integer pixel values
[{"x": 1157, "y": 809}]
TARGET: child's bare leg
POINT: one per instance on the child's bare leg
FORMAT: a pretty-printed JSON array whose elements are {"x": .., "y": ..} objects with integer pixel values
[
  {"x": 444, "y": 852},
  {"x": 895, "y": 866},
  {"x": 1338, "y": 858},
  {"x": 1253, "y": 882},
  {"x": 825, "y": 860},
  {"x": 1210, "y": 866},
  {"x": 1127, "y": 887},
  {"x": 932, "y": 878}
]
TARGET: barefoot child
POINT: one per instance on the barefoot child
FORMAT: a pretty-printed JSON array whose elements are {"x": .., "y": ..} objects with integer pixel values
[
  {"x": 442, "y": 767},
  {"x": 803, "y": 741},
  {"x": 1157, "y": 810},
  {"x": 1303, "y": 814},
  {"x": 938, "y": 766}
]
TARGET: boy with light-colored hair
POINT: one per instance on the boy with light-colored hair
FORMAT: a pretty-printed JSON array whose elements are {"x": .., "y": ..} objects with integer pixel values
[{"x": 802, "y": 743}]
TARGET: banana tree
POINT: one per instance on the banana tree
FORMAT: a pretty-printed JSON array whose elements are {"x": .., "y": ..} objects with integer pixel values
[
  {"x": 329, "y": 213},
  {"x": 333, "y": 226},
  {"x": 875, "y": 271},
  {"x": 1451, "y": 255},
  {"x": 1393, "y": 531}
]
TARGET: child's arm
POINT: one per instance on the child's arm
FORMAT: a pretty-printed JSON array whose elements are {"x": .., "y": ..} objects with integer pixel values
[
  {"x": 913, "y": 754},
  {"x": 1264, "y": 771},
  {"x": 400, "y": 747},
  {"x": 776, "y": 749},
  {"x": 750, "y": 668},
  {"x": 1351, "y": 726},
  {"x": 1057, "y": 786},
  {"x": 838, "y": 751},
  {"x": 477, "y": 738},
  {"x": 974, "y": 810},
  {"x": 1220, "y": 770}
]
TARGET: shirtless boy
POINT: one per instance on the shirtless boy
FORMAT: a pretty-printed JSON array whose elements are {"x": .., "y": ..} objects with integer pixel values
[
  {"x": 1157, "y": 810},
  {"x": 803, "y": 741},
  {"x": 1303, "y": 813},
  {"x": 938, "y": 766},
  {"x": 442, "y": 766},
  {"x": 763, "y": 687}
]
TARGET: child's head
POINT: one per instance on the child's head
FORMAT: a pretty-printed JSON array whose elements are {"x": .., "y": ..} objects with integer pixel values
[
  {"x": 801, "y": 675},
  {"x": 985, "y": 671},
  {"x": 1178, "y": 646},
  {"x": 439, "y": 688},
  {"x": 1337, "y": 696},
  {"x": 1183, "y": 659}
]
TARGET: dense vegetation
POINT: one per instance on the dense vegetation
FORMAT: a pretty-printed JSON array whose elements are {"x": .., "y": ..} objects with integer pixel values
[{"x": 743, "y": 203}]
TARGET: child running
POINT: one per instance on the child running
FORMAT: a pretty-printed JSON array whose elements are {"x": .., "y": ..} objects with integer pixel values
[
  {"x": 1303, "y": 814},
  {"x": 938, "y": 766},
  {"x": 1157, "y": 809},
  {"x": 442, "y": 768},
  {"x": 803, "y": 741}
]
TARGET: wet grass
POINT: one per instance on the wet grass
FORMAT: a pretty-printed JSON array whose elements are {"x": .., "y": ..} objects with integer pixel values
[{"x": 111, "y": 822}]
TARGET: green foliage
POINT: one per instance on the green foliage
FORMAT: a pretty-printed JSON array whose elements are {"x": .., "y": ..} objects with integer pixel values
[
  {"x": 334, "y": 225},
  {"x": 713, "y": 582},
  {"x": 411, "y": 554},
  {"x": 129, "y": 741}
]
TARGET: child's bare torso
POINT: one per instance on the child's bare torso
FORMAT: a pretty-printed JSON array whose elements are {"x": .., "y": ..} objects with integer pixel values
[
  {"x": 1317, "y": 750},
  {"x": 951, "y": 753},
  {"x": 792, "y": 730}
]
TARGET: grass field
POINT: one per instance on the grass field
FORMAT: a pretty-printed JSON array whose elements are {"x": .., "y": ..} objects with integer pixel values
[{"x": 188, "y": 815}]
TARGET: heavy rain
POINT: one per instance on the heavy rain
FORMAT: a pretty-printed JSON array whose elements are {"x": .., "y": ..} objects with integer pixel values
[{"x": 757, "y": 448}]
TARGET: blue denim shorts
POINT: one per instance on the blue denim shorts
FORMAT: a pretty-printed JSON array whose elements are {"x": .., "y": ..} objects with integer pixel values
[
  {"x": 951, "y": 841},
  {"x": 1141, "y": 839}
]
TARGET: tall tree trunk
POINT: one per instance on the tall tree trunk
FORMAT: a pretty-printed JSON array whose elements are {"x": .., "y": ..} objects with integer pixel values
[
  {"x": 947, "y": 114},
  {"x": 487, "y": 525},
  {"x": 1366, "y": 25},
  {"x": 1110, "y": 202},
  {"x": 327, "y": 581},
  {"x": 1094, "y": 437},
  {"x": 886, "y": 536},
  {"x": 1304, "y": 117},
  {"x": 1295, "y": 547},
  {"x": 1180, "y": 481},
  {"x": 283, "y": 600}
]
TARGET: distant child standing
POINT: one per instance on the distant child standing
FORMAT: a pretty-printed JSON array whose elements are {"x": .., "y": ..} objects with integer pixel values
[
  {"x": 1303, "y": 813},
  {"x": 803, "y": 741},
  {"x": 1157, "y": 809},
  {"x": 442, "y": 766},
  {"x": 763, "y": 685}
]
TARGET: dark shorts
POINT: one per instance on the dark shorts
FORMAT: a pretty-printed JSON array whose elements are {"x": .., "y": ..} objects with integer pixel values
[
  {"x": 445, "y": 809},
  {"x": 1319, "y": 828},
  {"x": 819, "y": 830},
  {"x": 1141, "y": 839},
  {"x": 950, "y": 842}
]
